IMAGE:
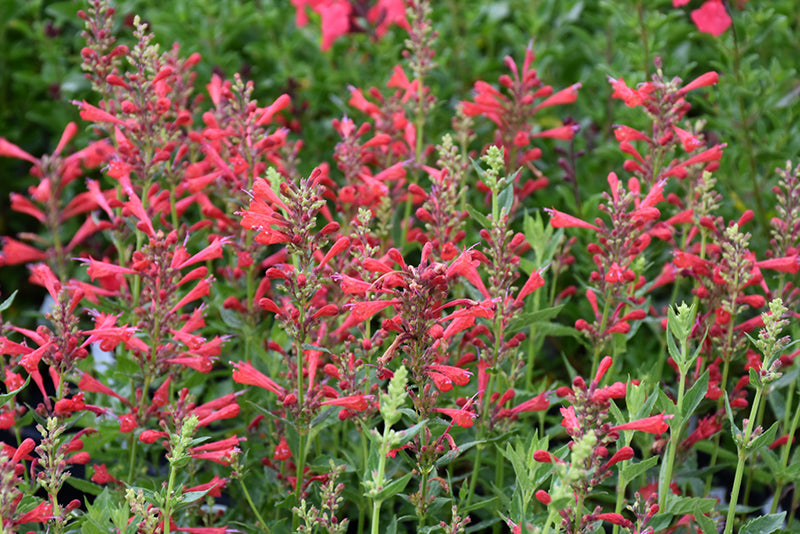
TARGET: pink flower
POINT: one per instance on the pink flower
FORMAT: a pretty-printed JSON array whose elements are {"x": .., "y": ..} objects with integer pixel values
[{"x": 712, "y": 18}]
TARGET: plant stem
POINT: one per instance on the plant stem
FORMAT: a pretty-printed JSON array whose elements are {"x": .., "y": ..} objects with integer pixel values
[
  {"x": 168, "y": 499},
  {"x": 748, "y": 141},
  {"x": 376, "y": 503},
  {"x": 743, "y": 454},
  {"x": 674, "y": 437},
  {"x": 785, "y": 456},
  {"x": 249, "y": 499}
]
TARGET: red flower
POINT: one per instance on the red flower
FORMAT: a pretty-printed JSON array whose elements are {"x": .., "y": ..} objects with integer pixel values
[
  {"x": 543, "y": 497},
  {"x": 40, "y": 514},
  {"x": 461, "y": 416},
  {"x": 655, "y": 424},
  {"x": 151, "y": 436},
  {"x": 213, "y": 486},
  {"x": 631, "y": 97},
  {"x": 570, "y": 421},
  {"x": 282, "y": 451},
  {"x": 11, "y": 150},
  {"x": 356, "y": 403},
  {"x": 559, "y": 219},
  {"x": 102, "y": 476},
  {"x": 614, "y": 518},
  {"x": 245, "y": 373},
  {"x": 536, "y": 404},
  {"x": 711, "y": 18}
]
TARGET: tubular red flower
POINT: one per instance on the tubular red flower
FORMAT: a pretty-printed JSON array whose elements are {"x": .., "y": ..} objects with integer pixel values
[
  {"x": 364, "y": 310},
  {"x": 655, "y": 424},
  {"x": 712, "y": 18},
  {"x": 461, "y": 416},
  {"x": 456, "y": 374},
  {"x": 570, "y": 420},
  {"x": 614, "y": 518},
  {"x": 534, "y": 282},
  {"x": 92, "y": 113},
  {"x": 282, "y": 450},
  {"x": 559, "y": 219},
  {"x": 40, "y": 514},
  {"x": 631, "y": 97},
  {"x": 604, "y": 366},
  {"x": 709, "y": 78},
  {"x": 245, "y": 373},
  {"x": 536, "y": 404},
  {"x": 625, "y": 453},
  {"x": 357, "y": 403},
  {"x": 11, "y": 150}
]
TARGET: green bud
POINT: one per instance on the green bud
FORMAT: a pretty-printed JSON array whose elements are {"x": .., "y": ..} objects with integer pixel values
[{"x": 395, "y": 397}]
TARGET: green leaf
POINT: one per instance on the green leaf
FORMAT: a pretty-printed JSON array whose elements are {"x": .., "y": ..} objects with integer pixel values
[
  {"x": 673, "y": 350},
  {"x": 764, "y": 439},
  {"x": 84, "y": 485},
  {"x": 322, "y": 416},
  {"x": 526, "y": 319},
  {"x": 688, "y": 505},
  {"x": 8, "y": 302},
  {"x": 192, "y": 496},
  {"x": 619, "y": 418},
  {"x": 231, "y": 318},
  {"x": 695, "y": 395},
  {"x": 706, "y": 523},
  {"x": 455, "y": 453},
  {"x": 393, "y": 488},
  {"x": 482, "y": 219},
  {"x": 517, "y": 458},
  {"x": 755, "y": 378},
  {"x": 403, "y": 436},
  {"x": 309, "y": 346},
  {"x": 631, "y": 471},
  {"x": 764, "y": 524},
  {"x": 660, "y": 522},
  {"x": 773, "y": 463},
  {"x": 737, "y": 434},
  {"x": 505, "y": 199},
  {"x": 392, "y": 528},
  {"x": 484, "y": 504},
  {"x": 554, "y": 329},
  {"x": 5, "y": 397}
]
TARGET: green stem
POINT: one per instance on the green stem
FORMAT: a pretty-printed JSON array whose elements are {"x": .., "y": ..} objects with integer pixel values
[
  {"x": 249, "y": 499},
  {"x": 748, "y": 141},
  {"x": 674, "y": 437},
  {"x": 599, "y": 348},
  {"x": 743, "y": 454},
  {"x": 643, "y": 36},
  {"x": 132, "y": 457},
  {"x": 376, "y": 503},
  {"x": 168, "y": 499},
  {"x": 423, "y": 492},
  {"x": 787, "y": 447},
  {"x": 622, "y": 484},
  {"x": 715, "y": 451}
]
